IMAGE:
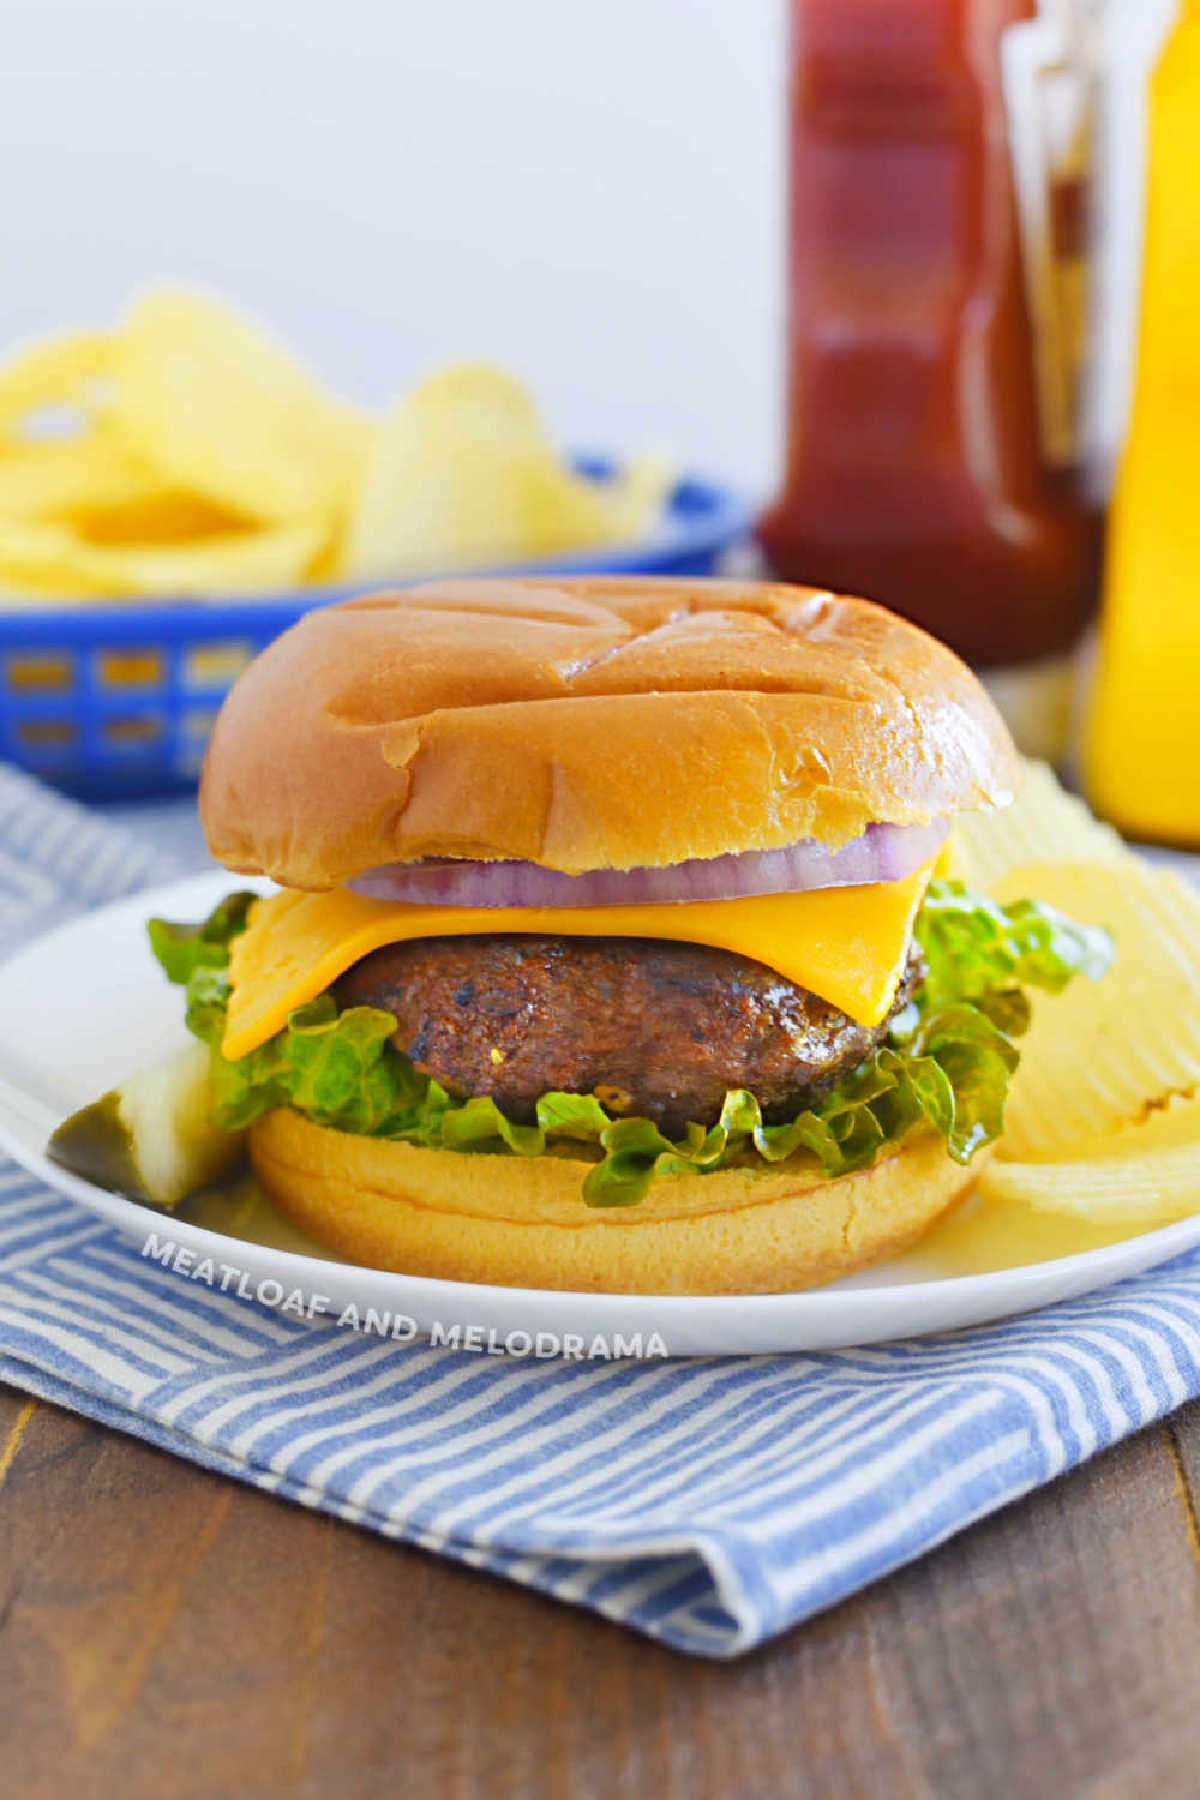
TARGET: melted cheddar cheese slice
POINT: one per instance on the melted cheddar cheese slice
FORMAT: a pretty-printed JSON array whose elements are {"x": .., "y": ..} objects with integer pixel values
[{"x": 849, "y": 945}]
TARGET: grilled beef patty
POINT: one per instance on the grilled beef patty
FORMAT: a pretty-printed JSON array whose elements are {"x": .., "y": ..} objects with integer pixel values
[{"x": 654, "y": 1029}]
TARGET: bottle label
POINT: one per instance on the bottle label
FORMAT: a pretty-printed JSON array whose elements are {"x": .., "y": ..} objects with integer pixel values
[{"x": 1048, "y": 73}]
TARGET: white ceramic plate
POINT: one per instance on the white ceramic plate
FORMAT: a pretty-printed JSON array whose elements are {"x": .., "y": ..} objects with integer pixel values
[{"x": 87, "y": 1004}]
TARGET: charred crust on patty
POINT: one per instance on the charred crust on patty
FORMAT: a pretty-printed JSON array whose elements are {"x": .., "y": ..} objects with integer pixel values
[{"x": 670, "y": 1025}]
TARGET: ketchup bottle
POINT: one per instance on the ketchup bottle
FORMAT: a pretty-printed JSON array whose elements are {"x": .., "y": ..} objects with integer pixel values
[{"x": 938, "y": 159}]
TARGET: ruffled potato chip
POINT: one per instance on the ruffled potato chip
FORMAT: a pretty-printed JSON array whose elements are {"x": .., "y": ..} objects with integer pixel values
[
  {"x": 1104, "y": 1056},
  {"x": 194, "y": 443},
  {"x": 57, "y": 478},
  {"x": 57, "y": 371},
  {"x": 240, "y": 562},
  {"x": 1162, "y": 1128},
  {"x": 1043, "y": 822},
  {"x": 54, "y": 558},
  {"x": 463, "y": 475},
  {"x": 987, "y": 1233},
  {"x": 226, "y": 413},
  {"x": 156, "y": 517},
  {"x": 481, "y": 389},
  {"x": 1102, "y": 1127},
  {"x": 39, "y": 561},
  {"x": 1130, "y": 1191},
  {"x": 1144, "y": 1175}
]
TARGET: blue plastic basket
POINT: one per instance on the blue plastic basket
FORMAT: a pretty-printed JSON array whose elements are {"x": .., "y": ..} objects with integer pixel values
[{"x": 117, "y": 701}]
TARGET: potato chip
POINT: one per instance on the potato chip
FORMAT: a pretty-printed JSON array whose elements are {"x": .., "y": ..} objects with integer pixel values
[
  {"x": 272, "y": 558},
  {"x": 37, "y": 558},
  {"x": 154, "y": 517},
  {"x": 56, "y": 371},
  {"x": 1044, "y": 821},
  {"x": 193, "y": 426},
  {"x": 1102, "y": 1133},
  {"x": 1162, "y": 1128},
  {"x": 638, "y": 495},
  {"x": 224, "y": 412},
  {"x": 58, "y": 584},
  {"x": 463, "y": 388},
  {"x": 986, "y": 1232},
  {"x": 1134, "y": 1192},
  {"x": 463, "y": 475},
  {"x": 53, "y": 477},
  {"x": 53, "y": 558},
  {"x": 1105, "y": 1055}
]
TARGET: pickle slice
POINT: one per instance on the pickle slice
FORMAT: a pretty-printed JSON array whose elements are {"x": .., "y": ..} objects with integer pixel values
[{"x": 152, "y": 1137}]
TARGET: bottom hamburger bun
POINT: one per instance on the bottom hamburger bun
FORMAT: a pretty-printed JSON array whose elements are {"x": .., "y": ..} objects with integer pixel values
[{"x": 521, "y": 1222}]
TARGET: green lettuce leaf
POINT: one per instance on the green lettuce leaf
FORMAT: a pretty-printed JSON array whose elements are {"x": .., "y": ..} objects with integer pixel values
[
  {"x": 974, "y": 947},
  {"x": 946, "y": 1062},
  {"x": 182, "y": 949}
]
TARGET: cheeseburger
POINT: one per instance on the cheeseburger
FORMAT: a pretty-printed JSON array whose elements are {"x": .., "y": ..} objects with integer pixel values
[{"x": 615, "y": 944}]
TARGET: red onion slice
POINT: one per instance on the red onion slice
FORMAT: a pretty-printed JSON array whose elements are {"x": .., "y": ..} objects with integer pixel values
[{"x": 882, "y": 853}]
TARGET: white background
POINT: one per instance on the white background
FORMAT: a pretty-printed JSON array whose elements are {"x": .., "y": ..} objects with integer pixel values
[{"x": 588, "y": 190}]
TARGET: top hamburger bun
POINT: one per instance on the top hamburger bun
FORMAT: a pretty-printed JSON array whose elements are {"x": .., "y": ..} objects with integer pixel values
[{"x": 588, "y": 724}]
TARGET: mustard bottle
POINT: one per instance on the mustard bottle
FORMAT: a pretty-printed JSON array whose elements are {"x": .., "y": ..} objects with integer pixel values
[{"x": 1141, "y": 749}]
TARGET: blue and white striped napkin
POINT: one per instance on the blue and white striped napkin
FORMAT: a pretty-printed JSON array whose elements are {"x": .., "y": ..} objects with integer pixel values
[{"x": 709, "y": 1503}]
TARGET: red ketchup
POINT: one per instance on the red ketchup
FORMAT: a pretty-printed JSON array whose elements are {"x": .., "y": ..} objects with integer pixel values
[{"x": 932, "y": 439}]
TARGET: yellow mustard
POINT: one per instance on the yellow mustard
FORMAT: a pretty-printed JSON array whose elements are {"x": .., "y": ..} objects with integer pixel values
[{"x": 1141, "y": 753}]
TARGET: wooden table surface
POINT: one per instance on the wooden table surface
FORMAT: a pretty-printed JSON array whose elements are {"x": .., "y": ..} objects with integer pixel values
[{"x": 169, "y": 1634}]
